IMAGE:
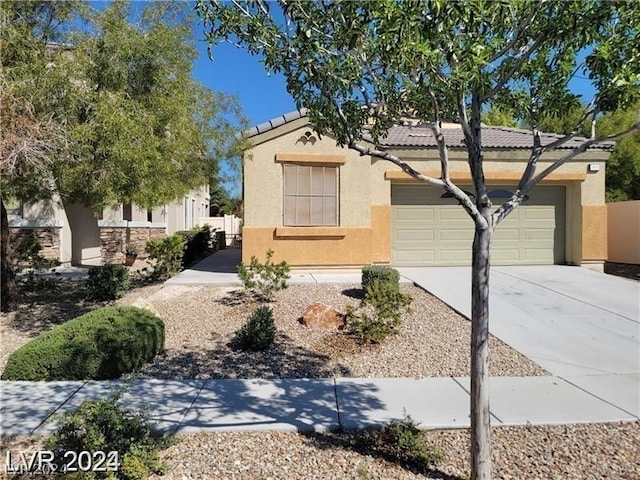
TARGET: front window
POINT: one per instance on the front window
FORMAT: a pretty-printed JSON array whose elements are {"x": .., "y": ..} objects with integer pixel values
[{"x": 310, "y": 195}]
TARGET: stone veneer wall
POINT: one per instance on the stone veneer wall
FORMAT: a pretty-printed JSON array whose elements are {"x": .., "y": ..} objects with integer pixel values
[
  {"x": 112, "y": 243},
  {"x": 139, "y": 236},
  {"x": 115, "y": 235},
  {"x": 49, "y": 238}
]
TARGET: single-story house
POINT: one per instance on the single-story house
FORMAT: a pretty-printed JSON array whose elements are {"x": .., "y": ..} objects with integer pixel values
[
  {"x": 317, "y": 204},
  {"x": 75, "y": 235}
]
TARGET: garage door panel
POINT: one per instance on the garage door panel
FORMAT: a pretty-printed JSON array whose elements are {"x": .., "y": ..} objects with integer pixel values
[
  {"x": 414, "y": 257},
  {"x": 537, "y": 213},
  {"x": 455, "y": 235},
  {"x": 414, "y": 235},
  {"x": 412, "y": 214},
  {"x": 453, "y": 214},
  {"x": 457, "y": 257},
  {"x": 507, "y": 234},
  {"x": 432, "y": 231},
  {"x": 539, "y": 234}
]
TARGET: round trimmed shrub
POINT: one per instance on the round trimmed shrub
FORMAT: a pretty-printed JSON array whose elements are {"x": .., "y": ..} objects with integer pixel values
[
  {"x": 100, "y": 345},
  {"x": 382, "y": 273}
]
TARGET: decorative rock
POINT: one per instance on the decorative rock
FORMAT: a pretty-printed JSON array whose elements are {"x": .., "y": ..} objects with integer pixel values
[
  {"x": 319, "y": 315},
  {"x": 144, "y": 304}
]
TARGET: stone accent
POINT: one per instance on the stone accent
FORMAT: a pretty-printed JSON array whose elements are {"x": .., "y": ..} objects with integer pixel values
[
  {"x": 319, "y": 315},
  {"x": 139, "y": 236},
  {"x": 112, "y": 243},
  {"x": 114, "y": 239},
  {"x": 49, "y": 238}
]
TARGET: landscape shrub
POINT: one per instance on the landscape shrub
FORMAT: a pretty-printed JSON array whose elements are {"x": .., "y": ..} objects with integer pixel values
[
  {"x": 166, "y": 254},
  {"x": 100, "y": 345},
  {"x": 402, "y": 442},
  {"x": 263, "y": 280},
  {"x": 108, "y": 282},
  {"x": 259, "y": 332},
  {"x": 371, "y": 273},
  {"x": 380, "y": 312},
  {"x": 103, "y": 426},
  {"x": 198, "y": 241},
  {"x": 28, "y": 254}
]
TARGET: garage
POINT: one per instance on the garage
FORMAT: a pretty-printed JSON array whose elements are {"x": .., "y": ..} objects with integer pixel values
[{"x": 428, "y": 230}]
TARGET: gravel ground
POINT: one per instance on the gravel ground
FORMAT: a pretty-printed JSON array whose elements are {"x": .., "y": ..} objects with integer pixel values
[
  {"x": 200, "y": 323},
  {"x": 565, "y": 452}
]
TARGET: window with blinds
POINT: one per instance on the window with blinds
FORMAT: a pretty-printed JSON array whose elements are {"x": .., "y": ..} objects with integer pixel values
[{"x": 310, "y": 195}]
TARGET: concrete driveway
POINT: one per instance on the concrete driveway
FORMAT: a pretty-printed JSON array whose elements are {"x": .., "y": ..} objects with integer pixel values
[{"x": 579, "y": 325}]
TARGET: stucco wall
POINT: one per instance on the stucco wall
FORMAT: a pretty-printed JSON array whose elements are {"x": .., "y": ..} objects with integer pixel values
[
  {"x": 365, "y": 197},
  {"x": 624, "y": 231}
]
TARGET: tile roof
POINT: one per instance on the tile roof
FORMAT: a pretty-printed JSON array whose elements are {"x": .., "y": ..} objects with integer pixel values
[{"x": 408, "y": 135}]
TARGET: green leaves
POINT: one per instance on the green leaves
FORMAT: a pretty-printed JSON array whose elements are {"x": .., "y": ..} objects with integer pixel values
[
  {"x": 114, "y": 116},
  {"x": 396, "y": 59}
]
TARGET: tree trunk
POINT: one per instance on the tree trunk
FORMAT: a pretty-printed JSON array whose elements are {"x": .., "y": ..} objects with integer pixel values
[
  {"x": 480, "y": 421},
  {"x": 7, "y": 280}
]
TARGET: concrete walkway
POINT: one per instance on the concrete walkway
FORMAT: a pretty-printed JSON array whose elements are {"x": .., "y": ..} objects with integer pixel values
[
  {"x": 34, "y": 408},
  {"x": 581, "y": 326}
]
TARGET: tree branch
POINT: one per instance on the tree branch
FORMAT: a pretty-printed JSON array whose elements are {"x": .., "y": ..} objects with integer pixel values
[
  {"x": 526, "y": 186},
  {"x": 518, "y": 34},
  {"x": 504, "y": 79}
]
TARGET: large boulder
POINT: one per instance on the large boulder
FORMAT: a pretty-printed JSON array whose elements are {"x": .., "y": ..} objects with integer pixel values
[{"x": 319, "y": 315}]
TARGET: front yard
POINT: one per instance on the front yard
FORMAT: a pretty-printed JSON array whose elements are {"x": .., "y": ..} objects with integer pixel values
[{"x": 433, "y": 341}]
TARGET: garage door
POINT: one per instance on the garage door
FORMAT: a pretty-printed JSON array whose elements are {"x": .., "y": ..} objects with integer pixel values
[{"x": 430, "y": 230}]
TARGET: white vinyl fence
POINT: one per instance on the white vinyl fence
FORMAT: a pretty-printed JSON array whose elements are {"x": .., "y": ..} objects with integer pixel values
[{"x": 230, "y": 224}]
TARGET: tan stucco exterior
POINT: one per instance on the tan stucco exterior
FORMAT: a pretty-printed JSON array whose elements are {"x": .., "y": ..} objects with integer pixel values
[
  {"x": 363, "y": 234},
  {"x": 623, "y": 219}
]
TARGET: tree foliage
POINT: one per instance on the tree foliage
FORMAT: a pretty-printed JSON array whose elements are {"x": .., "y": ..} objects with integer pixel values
[
  {"x": 133, "y": 126},
  {"x": 99, "y": 106},
  {"x": 360, "y": 67},
  {"x": 623, "y": 167}
]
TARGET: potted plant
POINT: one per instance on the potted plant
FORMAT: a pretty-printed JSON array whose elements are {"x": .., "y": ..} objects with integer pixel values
[{"x": 130, "y": 254}]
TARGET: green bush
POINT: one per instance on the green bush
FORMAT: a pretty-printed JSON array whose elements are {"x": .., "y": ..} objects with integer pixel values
[
  {"x": 370, "y": 273},
  {"x": 100, "y": 345},
  {"x": 258, "y": 332},
  {"x": 380, "y": 312},
  {"x": 103, "y": 426},
  {"x": 263, "y": 280},
  {"x": 166, "y": 252},
  {"x": 401, "y": 441},
  {"x": 28, "y": 253},
  {"x": 198, "y": 241},
  {"x": 108, "y": 282}
]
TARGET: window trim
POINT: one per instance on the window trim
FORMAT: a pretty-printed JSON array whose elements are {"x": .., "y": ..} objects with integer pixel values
[{"x": 336, "y": 196}]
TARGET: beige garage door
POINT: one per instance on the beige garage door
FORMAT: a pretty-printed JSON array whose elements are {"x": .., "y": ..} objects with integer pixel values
[{"x": 429, "y": 230}]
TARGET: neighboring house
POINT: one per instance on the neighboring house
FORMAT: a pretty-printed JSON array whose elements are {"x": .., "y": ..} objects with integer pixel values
[
  {"x": 317, "y": 204},
  {"x": 74, "y": 234}
]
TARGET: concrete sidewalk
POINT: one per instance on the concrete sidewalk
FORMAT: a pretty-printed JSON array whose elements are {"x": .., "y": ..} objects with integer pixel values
[
  {"x": 221, "y": 269},
  {"x": 188, "y": 406}
]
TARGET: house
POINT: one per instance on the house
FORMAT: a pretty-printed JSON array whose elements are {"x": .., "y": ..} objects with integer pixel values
[
  {"x": 317, "y": 204},
  {"x": 75, "y": 235}
]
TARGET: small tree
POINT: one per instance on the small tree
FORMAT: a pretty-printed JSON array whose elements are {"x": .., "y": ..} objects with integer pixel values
[
  {"x": 360, "y": 67},
  {"x": 264, "y": 279}
]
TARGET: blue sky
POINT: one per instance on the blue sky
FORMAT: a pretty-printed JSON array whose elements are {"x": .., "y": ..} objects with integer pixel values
[
  {"x": 234, "y": 71},
  {"x": 263, "y": 96}
]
